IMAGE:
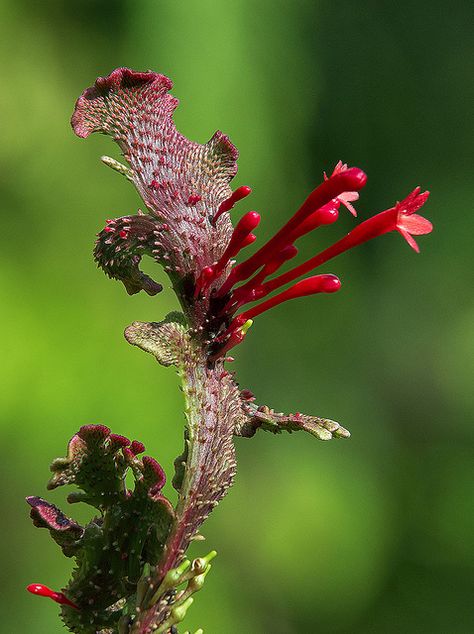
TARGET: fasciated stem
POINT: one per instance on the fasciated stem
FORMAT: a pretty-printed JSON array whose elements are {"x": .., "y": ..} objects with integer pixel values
[{"x": 212, "y": 405}]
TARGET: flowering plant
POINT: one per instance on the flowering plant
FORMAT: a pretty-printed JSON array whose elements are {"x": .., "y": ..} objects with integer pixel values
[{"x": 132, "y": 575}]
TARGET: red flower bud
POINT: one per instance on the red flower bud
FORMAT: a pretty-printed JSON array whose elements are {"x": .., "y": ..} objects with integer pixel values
[
  {"x": 240, "y": 192},
  {"x": 43, "y": 591}
]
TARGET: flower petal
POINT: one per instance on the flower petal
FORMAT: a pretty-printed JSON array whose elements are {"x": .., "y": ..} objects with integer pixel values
[
  {"x": 347, "y": 198},
  {"x": 411, "y": 241},
  {"x": 416, "y": 225},
  {"x": 412, "y": 202}
]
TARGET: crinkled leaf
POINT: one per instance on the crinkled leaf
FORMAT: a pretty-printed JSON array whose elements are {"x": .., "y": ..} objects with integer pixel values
[
  {"x": 65, "y": 531},
  {"x": 113, "y": 549},
  {"x": 181, "y": 182},
  {"x": 95, "y": 464},
  {"x": 167, "y": 340},
  {"x": 120, "y": 247},
  {"x": 262, "y": 417}
]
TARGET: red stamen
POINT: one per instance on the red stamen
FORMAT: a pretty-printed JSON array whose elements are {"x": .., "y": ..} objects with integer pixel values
[
  {"x": 123, "y": 234},
  {"x": 43, "y": 591},
  {"x": 326, "y": 283},
  {"x": 352, "y": 179},
  {"x": 240, "y": 192}
]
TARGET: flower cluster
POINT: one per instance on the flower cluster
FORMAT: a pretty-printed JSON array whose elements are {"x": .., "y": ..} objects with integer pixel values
[
  {"x": 249, "y": 281},
  {"x": 187, "y": 226}
]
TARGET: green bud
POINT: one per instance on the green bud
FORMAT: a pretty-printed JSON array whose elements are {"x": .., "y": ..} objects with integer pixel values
[
  {"x": 179, "y": 612},
  {"x": 201, "y": 563}
]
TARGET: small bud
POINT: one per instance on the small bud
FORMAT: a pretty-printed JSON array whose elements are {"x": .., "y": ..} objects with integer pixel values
[
  {"x": 118, "y": 167},
  {"x": 200, "y": 564},
  {"x": 179, "y": 612}
]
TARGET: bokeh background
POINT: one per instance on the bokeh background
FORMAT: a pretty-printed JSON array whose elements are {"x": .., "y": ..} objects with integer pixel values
[{"x": 374, "y": 534}]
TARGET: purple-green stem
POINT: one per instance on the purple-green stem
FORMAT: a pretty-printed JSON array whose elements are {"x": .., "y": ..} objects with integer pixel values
[{"x": 209, "y": 394}]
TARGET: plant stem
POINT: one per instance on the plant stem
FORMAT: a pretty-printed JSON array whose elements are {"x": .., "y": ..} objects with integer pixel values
[{"x": 212, "y": 408}]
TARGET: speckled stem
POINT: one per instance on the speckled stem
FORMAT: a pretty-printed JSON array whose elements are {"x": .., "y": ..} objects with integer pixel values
[{"x": 212, "y": 409}]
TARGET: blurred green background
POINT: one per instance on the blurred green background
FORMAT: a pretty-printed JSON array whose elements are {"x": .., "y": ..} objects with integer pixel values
[{"x": 374, "y": 534}]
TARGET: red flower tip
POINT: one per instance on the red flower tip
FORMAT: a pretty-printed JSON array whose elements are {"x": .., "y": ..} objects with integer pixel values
[
  {"x": 348, "y": 197},
  {"x": 353, "y": 177},
  {"x": 326, "y": 215},
  {"x": 205, "y": 278},
  {"x": 248, "y": 222},
  {"x": 413, "y": 201},
  {"x": 250, "y": 239},
  {"x": 326, "y": 283},
  {"x": 240, "y": 192},
  {"x": 408, "y": 222},
  {"x": 241, "y": 237},
  {"x": 235, "y": 337},
  {"x": 43, "y": 591}
]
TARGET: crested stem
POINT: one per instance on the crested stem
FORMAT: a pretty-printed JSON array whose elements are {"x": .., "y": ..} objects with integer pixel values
[{"x": 211, "y": 406}]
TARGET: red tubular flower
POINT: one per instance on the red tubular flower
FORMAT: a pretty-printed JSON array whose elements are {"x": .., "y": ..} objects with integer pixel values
[
  {"x": 340, "y": 188},
  {"x": 43, "y": 591},
  {"x": 326, "y": 283},
  {"x": 327, "y": 215},
  {"x": 351, "y": 179},
  {"x": 347, "y": 197},
  {"x": 401, "y": 218},
  {"x": 240, "y": 192},
  {"x": 241, "y": 237}
]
